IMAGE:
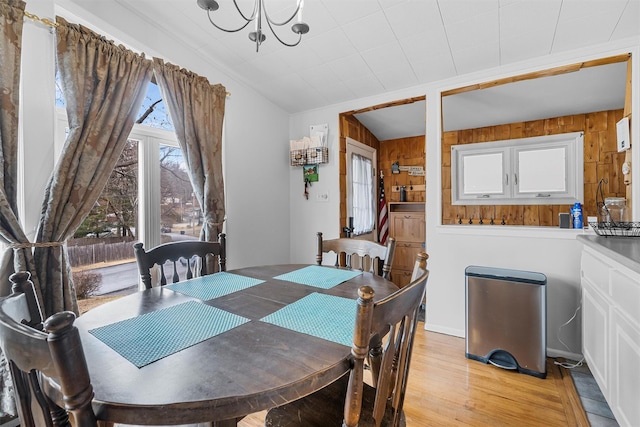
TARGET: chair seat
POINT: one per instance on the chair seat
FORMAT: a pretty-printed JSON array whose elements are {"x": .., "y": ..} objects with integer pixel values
[{"x": 324, "y": 408}]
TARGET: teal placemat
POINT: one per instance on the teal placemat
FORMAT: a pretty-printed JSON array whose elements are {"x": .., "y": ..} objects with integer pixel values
[
  {"x": 324, "y": 316},
  {"x": 150, "y": 337},
  {"x": 319, "y": 276},
  {"x": 214, "y": 285}
]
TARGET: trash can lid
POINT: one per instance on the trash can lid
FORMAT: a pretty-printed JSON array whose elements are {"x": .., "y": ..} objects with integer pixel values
[{"x": 506, "y": 274}]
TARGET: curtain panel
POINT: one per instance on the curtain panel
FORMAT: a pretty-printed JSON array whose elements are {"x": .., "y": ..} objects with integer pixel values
[
  {"x": 197, "y": 111},
  {"x": 11, "y": 23},
  {"x": 104, "y": 86}
]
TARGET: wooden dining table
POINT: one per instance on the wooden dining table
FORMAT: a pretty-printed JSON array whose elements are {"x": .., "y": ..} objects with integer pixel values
[{"x": 246, "y": 369}]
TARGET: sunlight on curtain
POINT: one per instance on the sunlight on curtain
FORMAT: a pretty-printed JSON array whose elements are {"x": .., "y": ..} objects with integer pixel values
[{"x": 362, "y": 190}]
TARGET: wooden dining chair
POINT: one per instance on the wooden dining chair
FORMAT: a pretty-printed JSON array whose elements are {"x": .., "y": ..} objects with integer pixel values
[
  {"x": 365, "y": 254},
  {"x": 203, "y": 253},
  {"x": 36, "y": 356},
  {"x": 349, "y": 401}
]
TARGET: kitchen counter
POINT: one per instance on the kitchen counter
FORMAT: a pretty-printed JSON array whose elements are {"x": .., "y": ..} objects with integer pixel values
[{"x": 625, "y": 250}]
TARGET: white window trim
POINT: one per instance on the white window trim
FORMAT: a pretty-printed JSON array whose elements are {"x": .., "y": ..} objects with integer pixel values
[{"x": 572, "y": 143}]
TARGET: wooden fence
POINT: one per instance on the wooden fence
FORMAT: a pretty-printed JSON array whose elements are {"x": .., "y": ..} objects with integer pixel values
[{"x": 95, "y": 251}]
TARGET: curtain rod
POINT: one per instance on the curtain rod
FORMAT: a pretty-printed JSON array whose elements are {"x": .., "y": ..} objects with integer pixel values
[
  {"x": 50, "y": 23},
  {"x": 45, "y": 21}
]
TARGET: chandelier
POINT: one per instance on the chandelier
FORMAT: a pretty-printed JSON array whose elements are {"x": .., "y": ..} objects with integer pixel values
[{"x": 258, "y": 16}]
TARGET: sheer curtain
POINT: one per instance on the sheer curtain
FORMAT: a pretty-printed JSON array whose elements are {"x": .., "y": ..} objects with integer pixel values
[
  {"x": 197, "y": 111},
  {"x": 362, "y": 191},
  {"x": 103, "y": 85}
]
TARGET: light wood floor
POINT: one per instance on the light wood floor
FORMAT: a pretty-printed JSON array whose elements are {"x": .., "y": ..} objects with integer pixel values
[{"x": 445, "y": 388}]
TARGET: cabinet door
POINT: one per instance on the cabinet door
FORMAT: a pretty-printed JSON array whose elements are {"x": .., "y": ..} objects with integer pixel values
[
  {"x": 401, "y": 277},
  {"x": 405, "y": 256},
  {"x": 595, "y": 335},
  {"x": 625, "y": 372},
  {"x": 407, "y": 227}
]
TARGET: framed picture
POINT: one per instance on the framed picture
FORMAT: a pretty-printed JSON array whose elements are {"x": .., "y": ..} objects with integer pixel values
[{"x": 310, "y": 173}]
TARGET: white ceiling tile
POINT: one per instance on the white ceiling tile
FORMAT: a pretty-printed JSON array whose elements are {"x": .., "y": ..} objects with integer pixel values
[
  {"x": 347, "y": 11},
  {"x": 336, "y": 92},
  {"x": 385, "y": 56},
  {"x": 576, "y": 9},
  {"x": 319, "y": 76},
  {"x": 349, "y": 67},
  {"x": 435, "y": 68},
  {"x": 629, "y": 24},
  {"x": 365, "y": 85},
  {"x": 585, "y": 31},
  {"x": 369, "y": 32},
  {"x": 331, "y": 45},
  {"x": 316, "y": 15},
  {"x": 453, "y": 11},
  {"x": 397, "y": 77},
  {"x": 523, "y": 46},
  {"x": 477, "y": 30},
  {"x": 420, "y": 47},
  {"x": 476, "y": 58},
  {"x": 528, "y": 17},
  {"x": 412, "y": 17}
]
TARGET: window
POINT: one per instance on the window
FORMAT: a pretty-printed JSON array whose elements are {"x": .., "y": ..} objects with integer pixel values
[
  {"x": 148, "y": 198},
  {"x": 361, "y": 187},
  {"x": 538, "y": 171}
]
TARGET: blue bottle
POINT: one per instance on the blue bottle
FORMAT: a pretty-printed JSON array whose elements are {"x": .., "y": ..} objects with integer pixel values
[{"x": 576, "y": 215}]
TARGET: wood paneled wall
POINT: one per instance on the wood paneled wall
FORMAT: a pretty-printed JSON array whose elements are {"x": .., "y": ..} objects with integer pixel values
[
  {"x": 407, "y": 152},
  {"x": 601, "y": 160}
]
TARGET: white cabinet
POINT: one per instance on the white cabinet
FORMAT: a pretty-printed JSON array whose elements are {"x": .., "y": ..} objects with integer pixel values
[{"x": 611, "y": 331}]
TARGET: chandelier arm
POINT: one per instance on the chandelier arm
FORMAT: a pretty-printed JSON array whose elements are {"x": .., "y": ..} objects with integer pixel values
[
  {"x": 253, "y": 14},
  {"x": 280, "y": 24},
  {"x": 224, "y": 29},
  {"x": 282, "y": 41}
]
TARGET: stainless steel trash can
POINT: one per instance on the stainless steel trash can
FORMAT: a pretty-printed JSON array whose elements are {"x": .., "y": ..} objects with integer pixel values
[{"x": 506, "y": 318}]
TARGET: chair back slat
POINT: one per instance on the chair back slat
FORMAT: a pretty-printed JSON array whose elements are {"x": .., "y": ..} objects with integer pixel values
[
  {"x": 204, "y": 254},
  {"x": 362, "y": 254}
]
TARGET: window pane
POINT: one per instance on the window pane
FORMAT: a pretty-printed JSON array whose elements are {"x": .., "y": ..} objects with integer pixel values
[
  {"x": 482, "y": 174},
  {"x": 101, "y": 250},
  {"x": 362, "y": 190},
  {"x": 541, "y": 171},
  {"x": 180, "y": 211}
]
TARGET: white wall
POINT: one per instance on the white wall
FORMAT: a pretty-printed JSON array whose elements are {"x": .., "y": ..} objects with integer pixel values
[
  {"x": 256, "y": 131},
  {"x": 551, "y": 251}
]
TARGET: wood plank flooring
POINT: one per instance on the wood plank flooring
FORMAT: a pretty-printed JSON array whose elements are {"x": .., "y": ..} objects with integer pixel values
[{"x": 446, "y": 389}]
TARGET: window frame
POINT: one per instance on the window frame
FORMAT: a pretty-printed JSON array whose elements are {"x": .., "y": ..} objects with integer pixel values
[{"x": 572, "y": 149}]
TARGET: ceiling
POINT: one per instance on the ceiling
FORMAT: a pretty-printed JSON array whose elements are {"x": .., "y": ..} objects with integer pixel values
[{"x": 360, "y": 48}]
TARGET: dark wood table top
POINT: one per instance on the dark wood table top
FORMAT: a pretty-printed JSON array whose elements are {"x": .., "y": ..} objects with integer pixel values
[{"x": 247, "y": 369}]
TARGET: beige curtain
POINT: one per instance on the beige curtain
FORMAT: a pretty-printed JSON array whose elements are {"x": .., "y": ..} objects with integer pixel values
[
  {"x": 197, "y": 111},
  {"x": 103, "y": 85},
  {"x": 17, "y": 256},
  {"x": 11, "y": 20}
]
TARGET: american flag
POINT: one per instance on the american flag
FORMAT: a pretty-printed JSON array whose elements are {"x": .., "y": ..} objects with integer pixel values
[{"x": 383, "y": 227}]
